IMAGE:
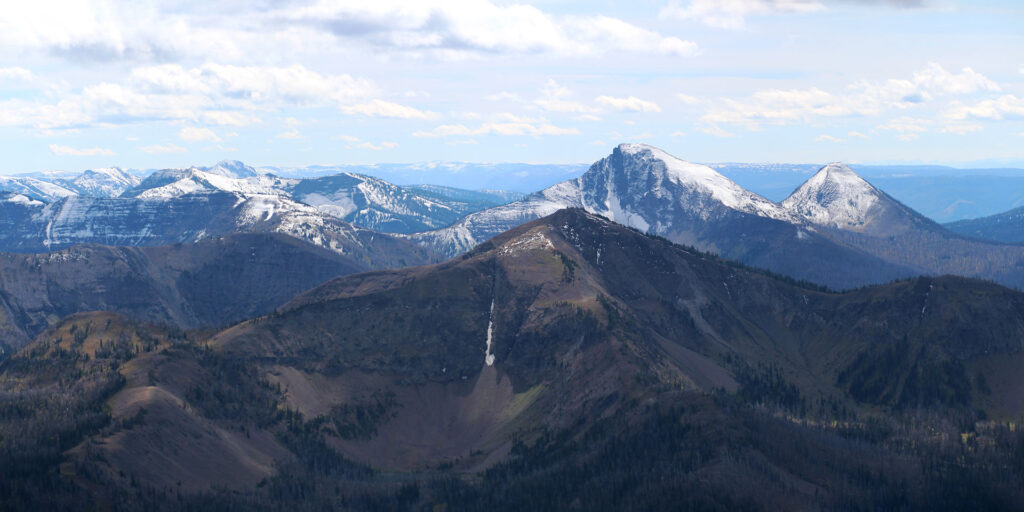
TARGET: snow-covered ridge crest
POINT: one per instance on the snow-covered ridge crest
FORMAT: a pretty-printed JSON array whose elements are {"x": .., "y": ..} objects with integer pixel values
[
  {"x": 702, "y": 178},
  {"x": 836, "y": 197},
  {"x": 638, "y": 185}
]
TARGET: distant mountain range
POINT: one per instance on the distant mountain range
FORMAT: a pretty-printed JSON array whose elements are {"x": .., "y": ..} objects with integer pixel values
[
  {"x": 518, "y": 177},
  {"x": 34, "y": 226},
  {"x": 359, "y": 199},
  {"x": 943, "y": 194},
  {"x": 836, "y": 229}
]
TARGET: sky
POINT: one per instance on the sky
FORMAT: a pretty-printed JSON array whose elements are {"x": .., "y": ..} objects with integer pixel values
[{"x": 87, "y": 84}]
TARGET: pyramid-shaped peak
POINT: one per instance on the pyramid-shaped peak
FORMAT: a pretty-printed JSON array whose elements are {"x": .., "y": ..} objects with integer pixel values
[
  {"x": 835, "y": 196},
  {"x": 839, "y": 169},
  {"x": 835, "y": 180}
]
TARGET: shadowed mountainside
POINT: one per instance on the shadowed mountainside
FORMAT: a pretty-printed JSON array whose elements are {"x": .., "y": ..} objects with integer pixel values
[{"x": 213, "y": 282}]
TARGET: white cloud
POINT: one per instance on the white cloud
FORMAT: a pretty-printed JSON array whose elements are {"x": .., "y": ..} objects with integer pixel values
[
  {"x": 905, "y": 125},
  {"x": 603, "y": 33},
  {"x": 100, "y": 30},
  {"x": 211, "y": 93},
  {"x": 292, "y": 134},
  {"x": 555, "y": 98},
  {"x": 1002, "y": 107},
  {"x": 962, "y": 128},
  {"x": 381, "y": 146},
  {"x": 381, "y": 108},
  {"x": 857, "y": 135},
  {"x": 687, "y": 99},
  {"x": 908, "y": 128},
  {"x": 16, "y": 74},
  {"x": 157, "y": 149},
  {"x": 193, "y": 134},
  {"x": 827, "y": 138},
  {"x": 225, "y": 118},
  {"x": 59, "y": 150},
  {"x": 293, "y": 84},
  {"x": 478, "y": 27},
  {"x": 503, "y": 96},
  {"x": 732, "y": 14},
  {"x": 716, "y": 130},
  {"x": 776, "y": 106},
  {"x": 631, "y": 104},
  {"x": 346, "y": 138},
  {"x": 510, "y": 126}
]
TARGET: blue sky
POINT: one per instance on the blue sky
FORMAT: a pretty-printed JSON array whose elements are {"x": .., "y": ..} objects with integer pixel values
[{"x": 98, "y": 83}]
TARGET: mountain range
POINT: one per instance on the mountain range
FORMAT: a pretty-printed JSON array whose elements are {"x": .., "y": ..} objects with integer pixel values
[
  {"x": 33, "y": 226},
  {"x": 836, "y": 229},
  {"x": 208, "y": 283},
  {"x": 943, "y": 194},
  {"x": 571, "y": 362},
  {"x": 358, "y": 199}
]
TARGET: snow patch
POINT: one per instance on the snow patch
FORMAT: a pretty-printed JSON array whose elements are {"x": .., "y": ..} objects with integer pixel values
[{"x": 488, "y": 356}]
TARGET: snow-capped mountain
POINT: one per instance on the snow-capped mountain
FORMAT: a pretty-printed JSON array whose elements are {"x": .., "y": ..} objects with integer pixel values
[
  {"x": 646, "y": 188},
  {"x": 362, "y": 200},
  {"x": 106, "y": 182},
  {"x": 836, "y": 197},
  {"x": 34, "y": 188},
  {"x": 233, "y": 169},
  {"x": 377, "y": 204},
  {"x": 34, "y": 226},
  {"x": 637, "y": 185},
  {"x": 169, "y": 183}
]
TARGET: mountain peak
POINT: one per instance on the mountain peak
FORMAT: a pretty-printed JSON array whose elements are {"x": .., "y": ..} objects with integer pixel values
[
  {"x": 637, "y": 170},
  {"x": 836, "y": 196},
  {"x": 232, "y": 169}
]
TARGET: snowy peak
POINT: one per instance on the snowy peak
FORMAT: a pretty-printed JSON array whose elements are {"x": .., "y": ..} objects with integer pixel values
[
  {"x": 639, "y": 186},
  {"x": 232, "y": 169},
  {"x": 836, "y": 197},
  {"x": 104, "y": 182},
  {"x": 636, "y": 176},
  {"x": 177, "y": 182}
]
